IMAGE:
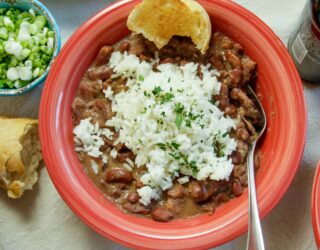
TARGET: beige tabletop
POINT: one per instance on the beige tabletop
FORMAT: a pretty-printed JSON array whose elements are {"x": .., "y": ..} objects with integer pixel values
[{"x": 41, "y": 220}]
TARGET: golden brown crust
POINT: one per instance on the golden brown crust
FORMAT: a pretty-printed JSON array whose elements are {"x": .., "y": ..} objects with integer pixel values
[
  {"x": 14, "y": 171},
  {"x": 159, "y": 20}
]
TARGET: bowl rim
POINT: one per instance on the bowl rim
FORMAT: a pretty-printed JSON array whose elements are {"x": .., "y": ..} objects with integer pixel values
[
  {"x": 282, "y": 52},
  {"x": 315, "y": 205},
  {"x": 40, "y": 79}
]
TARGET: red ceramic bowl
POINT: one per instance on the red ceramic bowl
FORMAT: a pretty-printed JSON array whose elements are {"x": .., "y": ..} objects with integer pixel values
[
  {"x": 282, "y": 97},
  {"x": 315, "y": 206}
]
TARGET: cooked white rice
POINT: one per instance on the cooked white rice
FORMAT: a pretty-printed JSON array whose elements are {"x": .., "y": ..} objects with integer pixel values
[{"x": 167, "y": 119}]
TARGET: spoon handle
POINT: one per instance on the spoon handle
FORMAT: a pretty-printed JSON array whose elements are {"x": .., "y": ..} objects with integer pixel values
[{"x": 255, "y": 238}]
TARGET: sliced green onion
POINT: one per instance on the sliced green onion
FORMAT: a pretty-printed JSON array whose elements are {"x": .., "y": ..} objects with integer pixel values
[
  {"x": 7, "y": 21},
  {"x": 25, "y": 73},
  {"x": 50, "y": 33},
  {"x": 12, "y": 74},
  {"x": 33, "y": 29},
  {"x": 14, "y": 61},
  {"x": 26, "y": 46},
  {"x": 25, "y": 53},
  {"x": 36, "y": 72},
  {"x": 3, "y": 33},
  {"x": 40, "y": 21}
]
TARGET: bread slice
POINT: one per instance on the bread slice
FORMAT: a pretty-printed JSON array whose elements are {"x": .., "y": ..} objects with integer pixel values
[
  {"x": 20, "y": 154},
  {"x": 159, "y": 20}
]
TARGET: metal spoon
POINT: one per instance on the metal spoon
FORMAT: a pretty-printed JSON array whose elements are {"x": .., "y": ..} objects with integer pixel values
[{"x": 255, "y": 238}]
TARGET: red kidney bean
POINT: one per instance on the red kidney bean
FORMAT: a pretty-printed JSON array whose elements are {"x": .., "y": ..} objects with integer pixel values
[
  {"x": 242, "y": 134},
  {"x": 139, "y": 184},
  {"x": 89, "y": 90},
  {"x": 236, "y": 76},
  {"x": 231, "y": 111},
  {"x": 177, "y": 191},
  {"x": 118, "y": 175},
  {"x": 241, "y": 125},
  {"x": 133, "y": 197},
  {"x": 101, "y": 104},
  {"x": 239, "y": 95},
  {"x": 104, "y": 109},
  {"x": 223, "y": 103},
  {"x": 226, "y": 43},
  {"x": 195, "y": 190},
  {"x": 243, "y": 148},
  {"x": 124, "y": 46},
  {"x": 236, "y": 188},
  {"x": 224, "y": 91},
  {"x": 76, "y": 116},
  {"x": 161, "y": 214},
  {"x": 136, "y": 208},
  {"x": 236, "y": 157},
  {"x": 78, "y": 103},
  {"x": 104, "y": 55},
  {"x": 99, "y": 73},
  {"x": 233, "y": 59},
  {"x": 217, "y": 61},
  {"x": 249, "y": 67},
  {"x": 201, "y": 191}
]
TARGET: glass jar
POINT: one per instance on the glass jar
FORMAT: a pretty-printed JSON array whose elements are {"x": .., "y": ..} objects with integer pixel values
[{"x": 304, "y": 42}]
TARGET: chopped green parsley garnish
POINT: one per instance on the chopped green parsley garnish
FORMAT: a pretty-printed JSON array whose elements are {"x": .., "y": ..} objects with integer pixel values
[
  {"x": 146, "y": 94},
  {"x": 141, "y": 78},
  {"x": 173, "y": 150},
  {"x": 156, "y": 90},
  {"x": 167, "y": 97},
  {"x": 218, "y": 148},
  {"x": 175, "y": 145},
  {"x": 162, "y": 146},
  {"x": 179, "y": 119}
]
